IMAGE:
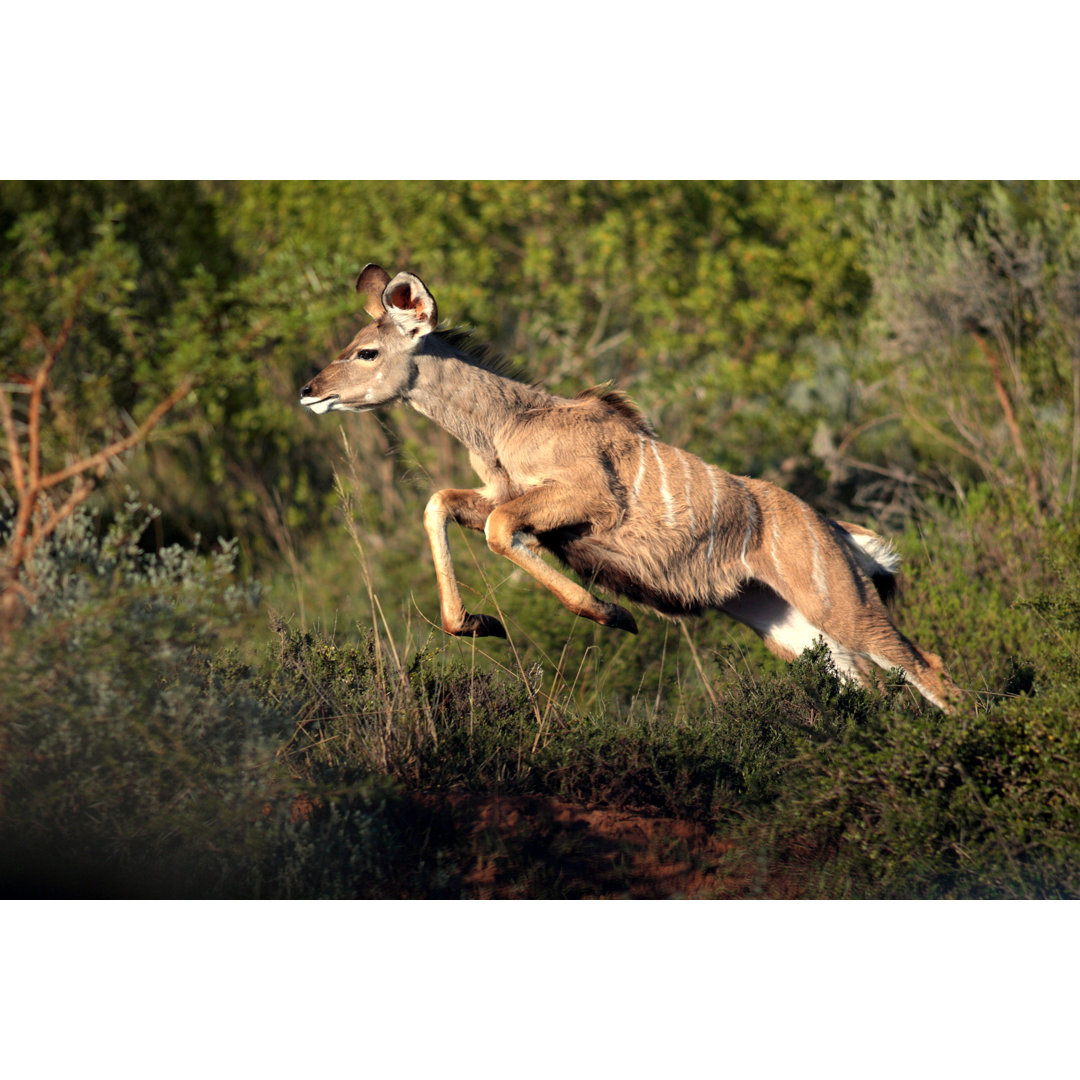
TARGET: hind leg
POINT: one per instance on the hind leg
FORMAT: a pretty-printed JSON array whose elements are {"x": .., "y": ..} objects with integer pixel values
[
  {"x": 866, "y": 630},
  {"x": 854, "y": 641},
  {"x": 924, "y": 670},
  {"x": 853, "y": 615},
  {"x": 786, "y": 632}
]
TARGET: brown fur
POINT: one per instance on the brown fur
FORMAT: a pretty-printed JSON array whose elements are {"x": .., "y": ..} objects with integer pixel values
[{"x": 587, "y": 479}]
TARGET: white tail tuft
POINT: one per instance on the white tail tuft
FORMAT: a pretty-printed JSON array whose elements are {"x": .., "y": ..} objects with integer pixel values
[
  {"x": 879, "y": 552},
  {"x": 874, "y": 554}
]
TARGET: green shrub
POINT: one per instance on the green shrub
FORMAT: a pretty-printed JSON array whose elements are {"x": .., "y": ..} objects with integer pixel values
[
  {"x": 121, "y": 756},
  {"x": 153, "y": 748}
]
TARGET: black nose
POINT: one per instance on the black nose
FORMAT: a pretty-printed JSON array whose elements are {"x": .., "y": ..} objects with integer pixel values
[{"x": 305, "y": 391}]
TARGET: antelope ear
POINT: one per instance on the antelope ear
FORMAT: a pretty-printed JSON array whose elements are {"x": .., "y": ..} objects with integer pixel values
[
  {"x": 372, "y": 280},
  {"x": 410, "y": 305}
]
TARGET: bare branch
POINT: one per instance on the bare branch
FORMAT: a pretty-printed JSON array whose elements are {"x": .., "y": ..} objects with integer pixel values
[
  {"x": 936, "y": 433},
  {"x": 41, "y": 378},
  {"x": 37, "y": 390},
  {"x": 992, "y": 362},
  {"x": 80, "y": 493},
  {"x": 12, "y": 443},
  {"x": 102, "y": 457},
  {"x": 24, "y": 539},
  {"x": 1075, "y": 462}
]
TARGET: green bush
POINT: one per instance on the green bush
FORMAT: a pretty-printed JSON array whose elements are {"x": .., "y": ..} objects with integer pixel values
[
  {"x": 122, "y": 759},
  {"x": 148, "y": 754}
]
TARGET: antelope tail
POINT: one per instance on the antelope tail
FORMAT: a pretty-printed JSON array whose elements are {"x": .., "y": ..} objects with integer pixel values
[{"x": 874, "y": 555}]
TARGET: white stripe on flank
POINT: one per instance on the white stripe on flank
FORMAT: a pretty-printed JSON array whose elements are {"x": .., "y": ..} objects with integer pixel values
[
  {"x": 819, "y": 577},
  {"x": 687, "y": 488},
  {"x": 635, "y": 494},
  {"x": 751, "y": 521},
  {"x": 669, "y": 506},
  {"x": 715, "y": 509},
  {"x": 775, "y": 557}
]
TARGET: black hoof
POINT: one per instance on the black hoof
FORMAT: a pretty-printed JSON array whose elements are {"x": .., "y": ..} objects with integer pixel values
[
  {"x": 620, "y": 619},
  {"x": 480, "y": 626}
]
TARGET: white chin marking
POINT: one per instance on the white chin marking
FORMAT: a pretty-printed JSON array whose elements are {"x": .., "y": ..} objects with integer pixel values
[{"x": 320, "y": 405}]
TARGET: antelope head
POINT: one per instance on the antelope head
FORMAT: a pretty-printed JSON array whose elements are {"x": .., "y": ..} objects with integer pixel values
[{"x": 377, "y": 367}]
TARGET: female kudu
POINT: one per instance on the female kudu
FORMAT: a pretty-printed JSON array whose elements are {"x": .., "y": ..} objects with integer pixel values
[{"x": 587, "y": 479}]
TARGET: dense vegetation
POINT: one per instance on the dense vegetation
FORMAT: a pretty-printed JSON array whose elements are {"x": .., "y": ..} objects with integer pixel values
[{"x": 275, "y": 714}]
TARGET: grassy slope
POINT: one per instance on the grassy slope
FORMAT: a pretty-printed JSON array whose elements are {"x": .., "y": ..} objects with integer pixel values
[{"x": 154, "y": 748}]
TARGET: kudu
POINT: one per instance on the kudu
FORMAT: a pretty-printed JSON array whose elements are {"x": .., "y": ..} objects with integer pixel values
[{"x": 587, "y": 479}]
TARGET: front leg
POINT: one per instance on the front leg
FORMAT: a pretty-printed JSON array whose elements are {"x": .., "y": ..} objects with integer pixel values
[
  {"x": 511, "y": 529},
  {"x": 471, "y": 510}
]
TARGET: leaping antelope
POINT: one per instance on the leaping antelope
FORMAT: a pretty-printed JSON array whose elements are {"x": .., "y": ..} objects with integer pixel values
[{"x": 587, "y": 479}]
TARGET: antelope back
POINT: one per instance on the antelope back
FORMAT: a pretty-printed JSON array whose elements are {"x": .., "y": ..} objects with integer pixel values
[{"x": 377, "y": 367}]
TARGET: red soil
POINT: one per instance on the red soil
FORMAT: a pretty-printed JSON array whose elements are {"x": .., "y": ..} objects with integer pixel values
[
  {"x": 545, "y": 846},
  {"x": 528, "y": 847}
]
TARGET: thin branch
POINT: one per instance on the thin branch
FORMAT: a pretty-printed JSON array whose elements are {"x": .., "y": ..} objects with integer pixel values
[
  {"x": 1075, "y": 427},
  {"x": 697, "y": 663},
  {"x": 41, "y": 378},
  {"x": 37, "y": 390},
  {"x": 79, "y": 494},
  {"x": 17, "y": 540},
  {"x": 911, "y": 480},
  {"x": 954, "y": 445},
  {"x": 994, "y": 364},
  {"x": 12, "y": 442},
  {"x": 861, "y": 429},
  {"x": 20, "y": 544},
  {"x": 102, "y": 457}
]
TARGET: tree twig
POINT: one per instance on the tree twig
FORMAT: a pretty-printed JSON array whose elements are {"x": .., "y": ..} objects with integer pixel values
[
  {"x": 1009, "y": 412},
  {"x": 12, "y": 443},
  {"x": 102, "y": 457}
]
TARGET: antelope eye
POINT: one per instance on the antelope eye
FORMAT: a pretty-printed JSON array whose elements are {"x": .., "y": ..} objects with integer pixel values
[{"x": 368, "y": 354}]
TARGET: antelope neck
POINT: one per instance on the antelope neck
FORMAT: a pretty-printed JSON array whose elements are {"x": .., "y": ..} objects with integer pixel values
[{"x": 469, "y": 401}]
